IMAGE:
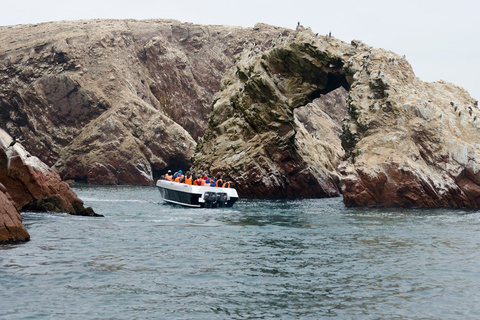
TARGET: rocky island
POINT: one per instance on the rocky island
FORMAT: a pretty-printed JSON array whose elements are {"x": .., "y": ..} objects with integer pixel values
[
  {"x": 282, "y": 113},
  {"x": 115, "y": 101},
  {"x": 403, "y": 142}
]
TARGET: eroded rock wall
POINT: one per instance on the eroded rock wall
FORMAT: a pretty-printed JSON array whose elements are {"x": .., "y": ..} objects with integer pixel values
[
  {"x": 115, "y": 101},
  {"x": 276, "y": 123},
  {"x": 405, "y": 142},
  {"x": 410, "y": 143}
]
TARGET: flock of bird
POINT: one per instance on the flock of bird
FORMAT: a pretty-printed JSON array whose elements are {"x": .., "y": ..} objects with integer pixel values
[{"x": 470, "y": 111}]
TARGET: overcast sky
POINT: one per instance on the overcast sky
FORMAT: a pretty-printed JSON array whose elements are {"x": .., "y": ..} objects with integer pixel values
[{"x": 440, "y": 38}]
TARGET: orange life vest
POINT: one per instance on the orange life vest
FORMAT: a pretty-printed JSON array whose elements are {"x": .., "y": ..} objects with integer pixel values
[
  {"x": 168, "y": 176},
  {"x": 188, "y": 180},
  {"x": 226, "y": 184},
  {"x": 219, "y": 183}
]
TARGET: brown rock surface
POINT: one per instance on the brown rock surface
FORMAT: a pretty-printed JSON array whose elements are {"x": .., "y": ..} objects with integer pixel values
[
  {"x": 415, "y": 145},
  {"x": 115, "y": 101},
  {"x": 407, "y": 142},
  {"x": 11, "y": 228},
  {"x": 275, "y": 125},
  {"x": 32, "y": 185}
]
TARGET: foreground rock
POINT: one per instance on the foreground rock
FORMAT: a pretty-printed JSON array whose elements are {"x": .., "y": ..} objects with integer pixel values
[
  {"x": 11, "y": 228},
  {"x": 115, "y": 101},
  {"x": 27, "y": 184}
]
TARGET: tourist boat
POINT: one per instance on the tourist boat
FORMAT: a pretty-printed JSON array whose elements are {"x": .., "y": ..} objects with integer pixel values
[{"x": 196, "y": 196}]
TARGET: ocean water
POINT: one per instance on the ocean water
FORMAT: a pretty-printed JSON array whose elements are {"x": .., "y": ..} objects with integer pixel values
[{"x": 303, "y": 259}]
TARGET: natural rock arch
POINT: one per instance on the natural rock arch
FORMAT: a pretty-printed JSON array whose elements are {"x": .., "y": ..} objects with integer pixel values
[
  {"x": 261, "y": 134},
  {"x": 406, "y": 142}
]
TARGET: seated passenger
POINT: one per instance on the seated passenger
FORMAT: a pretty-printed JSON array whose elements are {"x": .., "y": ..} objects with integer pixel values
[
  {"x": 197, "y": 181},
  {"x": 219, "y": 182},
  {"x": 227, "y": 184},
  {"x": 188, "y": 178}
]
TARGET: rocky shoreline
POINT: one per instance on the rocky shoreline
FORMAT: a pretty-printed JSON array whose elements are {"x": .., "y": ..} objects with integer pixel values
[
  {"x": 282, "y": 113},
  {"x": 115, "y": 101},
  {"x": 28, "y": 184}
]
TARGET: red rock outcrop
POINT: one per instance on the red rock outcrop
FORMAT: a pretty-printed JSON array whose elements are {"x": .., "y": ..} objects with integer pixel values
[
  {"x": 115, "y": 101},
  {"x": 406, "y": 142},
  {"x": 419, "y": 147},
  {"x": 32, "y": 185},
  {"x": 11, "y": 228}
]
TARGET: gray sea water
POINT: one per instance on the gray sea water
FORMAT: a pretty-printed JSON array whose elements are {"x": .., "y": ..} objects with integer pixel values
[{"x": 304, "y": 259}]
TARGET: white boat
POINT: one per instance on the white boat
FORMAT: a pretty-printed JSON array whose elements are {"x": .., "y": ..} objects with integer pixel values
[{"x": 196, "y": 196}]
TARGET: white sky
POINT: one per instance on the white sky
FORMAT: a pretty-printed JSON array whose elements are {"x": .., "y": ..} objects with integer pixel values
[{"x": 440, "y": 38}]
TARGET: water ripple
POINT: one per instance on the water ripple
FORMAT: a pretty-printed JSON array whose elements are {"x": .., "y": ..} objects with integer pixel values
[{"x": 307, "y": 259}]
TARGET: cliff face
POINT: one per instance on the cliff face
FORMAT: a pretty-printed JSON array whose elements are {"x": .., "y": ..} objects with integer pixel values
[
  {"x": 115, "y": 102},
  {"x": 406, "y": 142},
  {"x": 410, "y": 143},
  {"x": 275, "y": 125},
  {"x": 121, "y": 101}
]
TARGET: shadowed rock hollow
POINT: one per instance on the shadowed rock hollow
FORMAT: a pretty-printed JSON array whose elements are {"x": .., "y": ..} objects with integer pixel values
[{"x": 115, "y": 101}]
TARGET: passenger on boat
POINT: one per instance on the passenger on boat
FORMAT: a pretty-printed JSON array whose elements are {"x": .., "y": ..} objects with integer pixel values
[
  {"x": 227, "y": 184},
  {"x": 188, "y": 178},
  {"x": 168, "y": 175},
  {"x": 218, "y": 182},
  {"x": 197, "y": 181},
  {"x": 177, "y": 177},
  {"x": 212, "y": 182}
]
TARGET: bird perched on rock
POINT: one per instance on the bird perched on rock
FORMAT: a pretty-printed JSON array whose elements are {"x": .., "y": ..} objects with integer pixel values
[
  {"x": 455, "y": 109},
  {"x": 451, "y": 103},
  {"x": 460, "y": 113},
  {"x": 14, "y": 141}
]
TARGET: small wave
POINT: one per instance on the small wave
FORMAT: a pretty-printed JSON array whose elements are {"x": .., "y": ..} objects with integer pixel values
[{"x": 86, "y": 199}]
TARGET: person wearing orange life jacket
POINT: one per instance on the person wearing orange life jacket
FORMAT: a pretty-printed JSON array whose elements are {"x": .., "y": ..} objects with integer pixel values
[
  {"x": 188, "y": 178},
  {"x": 179, "y": 177},
  {"x": 219, "y": 182},
  {"x": 168, "y": 175},
  {"x": 197, "y": 181},
  {"x": 227, "y": 184}
]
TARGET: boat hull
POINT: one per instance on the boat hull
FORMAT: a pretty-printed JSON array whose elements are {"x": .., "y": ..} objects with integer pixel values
[{"x": 196, "y": 196}]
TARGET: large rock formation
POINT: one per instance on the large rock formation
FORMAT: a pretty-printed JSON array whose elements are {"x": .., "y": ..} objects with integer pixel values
[
  {"x": 409, "y": 143},
  {"x": 406, "y": 142},
  {"x": 275, "y": 125},
  {"x": 28, "y": 184},
  {"x": 115, "y": 102},
  {"x": 122, "y": 101}
]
